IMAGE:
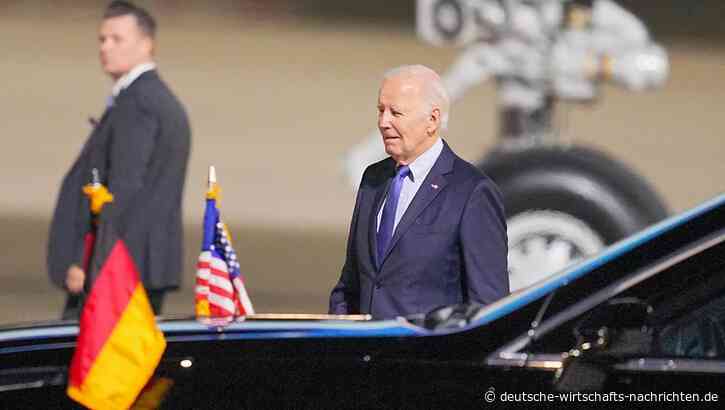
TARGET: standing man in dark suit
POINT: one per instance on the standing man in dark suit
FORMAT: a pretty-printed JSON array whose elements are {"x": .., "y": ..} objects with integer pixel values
[
  {"x": 428, "y": 228},
  {"x": 140, "y": 148}
]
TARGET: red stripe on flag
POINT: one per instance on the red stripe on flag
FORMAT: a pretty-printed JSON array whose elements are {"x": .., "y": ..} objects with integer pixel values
[
  {"x": 106, "y": 303},
  {"x": 221, "y": 292},
  {"x": 217, "y": 311},
  {"x": 218, "y": 272}
]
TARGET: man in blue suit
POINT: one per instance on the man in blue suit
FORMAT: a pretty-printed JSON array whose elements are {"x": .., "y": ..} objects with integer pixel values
[{"x": 428, "y": 228}]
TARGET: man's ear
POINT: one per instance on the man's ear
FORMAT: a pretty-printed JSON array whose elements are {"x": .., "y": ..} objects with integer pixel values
[
  {"x": 148, "y": 45},
  {"x": 434, "y": 121}
]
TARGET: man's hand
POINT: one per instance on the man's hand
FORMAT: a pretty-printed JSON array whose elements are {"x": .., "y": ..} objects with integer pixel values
[{"x": 74, "y": 279}]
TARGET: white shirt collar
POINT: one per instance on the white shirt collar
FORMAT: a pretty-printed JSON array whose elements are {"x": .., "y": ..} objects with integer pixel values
[
  {"x": 423, "y": 164},
  {"x": 131, "y": 76}
]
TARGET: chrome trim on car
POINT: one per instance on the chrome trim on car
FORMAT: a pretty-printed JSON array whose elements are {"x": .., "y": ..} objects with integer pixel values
[
  {"x": 22, "y": 386},
  {"x": 668, "y": 365},
  {"x": 544, "y": 361},
  {"x": 38, "y": 333}
]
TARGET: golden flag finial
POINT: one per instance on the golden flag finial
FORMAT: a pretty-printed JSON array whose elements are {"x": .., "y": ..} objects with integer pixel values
[
  {"x": 97, "y": 193},
  {"x": 213, "y": 191}
]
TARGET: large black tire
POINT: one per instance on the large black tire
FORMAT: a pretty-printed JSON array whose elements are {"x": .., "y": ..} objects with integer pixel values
[{"x": 575, "y": 195}]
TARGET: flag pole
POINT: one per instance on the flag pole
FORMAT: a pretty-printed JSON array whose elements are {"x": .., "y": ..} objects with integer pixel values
[
  {"x": 212, "y": 176},
  {"x": 213, "y": 190}
]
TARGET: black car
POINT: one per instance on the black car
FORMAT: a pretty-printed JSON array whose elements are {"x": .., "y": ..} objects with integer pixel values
[{"x": 643, "y": 321}]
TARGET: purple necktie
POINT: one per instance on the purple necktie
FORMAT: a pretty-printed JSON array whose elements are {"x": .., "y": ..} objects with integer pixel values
[{"x": 387, "y": 220}]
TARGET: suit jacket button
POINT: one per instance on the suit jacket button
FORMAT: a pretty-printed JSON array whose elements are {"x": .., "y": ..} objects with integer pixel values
[{"x": 378, "y": 285}]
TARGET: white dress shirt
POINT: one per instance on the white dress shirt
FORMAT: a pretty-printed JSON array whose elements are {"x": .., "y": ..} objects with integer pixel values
[
  {"x": 419, "y": 169},
  {"x": 127, "y": 79}
]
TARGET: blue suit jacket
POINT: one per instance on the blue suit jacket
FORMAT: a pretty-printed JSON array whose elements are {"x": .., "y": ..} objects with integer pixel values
[{"x": 449, "y": 247}]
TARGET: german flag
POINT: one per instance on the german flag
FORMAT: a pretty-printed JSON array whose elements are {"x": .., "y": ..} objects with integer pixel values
[{"x": 119, "y": 344}]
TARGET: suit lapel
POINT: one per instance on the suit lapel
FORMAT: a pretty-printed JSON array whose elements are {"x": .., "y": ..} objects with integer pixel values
[{"x": 432, "y": 186}]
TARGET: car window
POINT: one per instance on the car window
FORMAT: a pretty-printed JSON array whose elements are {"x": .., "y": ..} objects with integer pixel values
[
  {"x": 699, "y": 334},
  {"x": 688, "y": 309}
]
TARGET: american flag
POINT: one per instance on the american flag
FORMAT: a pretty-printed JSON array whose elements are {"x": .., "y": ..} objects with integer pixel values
[{"x": 220, "y": 290}]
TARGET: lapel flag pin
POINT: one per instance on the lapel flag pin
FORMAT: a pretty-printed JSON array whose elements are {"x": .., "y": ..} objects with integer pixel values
[{"x": 434, "y": 186}]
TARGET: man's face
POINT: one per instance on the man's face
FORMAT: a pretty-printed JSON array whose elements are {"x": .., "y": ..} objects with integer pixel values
[
  {"x": 122, "y": 45},
  {"x": 404, "y": 119}
]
